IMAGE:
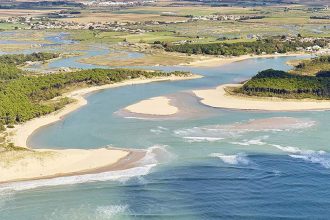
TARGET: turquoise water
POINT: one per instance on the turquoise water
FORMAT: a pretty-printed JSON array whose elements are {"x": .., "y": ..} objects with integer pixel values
[{"x": 214, "y": 164}]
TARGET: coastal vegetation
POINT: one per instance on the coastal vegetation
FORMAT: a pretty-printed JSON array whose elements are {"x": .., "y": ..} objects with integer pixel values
[
  {"x": 18, "y": 59},
  {"x": 23, "y": 97},
  {"x": 315, "y": 66},
  {"x": 9, "y": 63},
  {"x": 277, "y": 83},
  {"x": 268, "y": 46}
]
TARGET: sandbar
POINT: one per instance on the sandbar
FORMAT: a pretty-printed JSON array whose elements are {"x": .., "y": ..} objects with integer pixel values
[
  {"x": 219, "y": 98},
  {"x": 212, "y": 61},
  {"x": 154, "y": 106}
]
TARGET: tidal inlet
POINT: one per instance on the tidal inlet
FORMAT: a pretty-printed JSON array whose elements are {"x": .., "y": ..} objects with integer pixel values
[{"x": 164, "y": 109}]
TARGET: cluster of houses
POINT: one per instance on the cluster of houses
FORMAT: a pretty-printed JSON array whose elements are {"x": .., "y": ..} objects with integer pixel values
[
  {"x": 110, "y": 26},
  {"x": 17, "y": 20},
  {"x": 215, "y": 17},
  {"x": 99, "y": 3},
  {"x": 42, "y": 23}
]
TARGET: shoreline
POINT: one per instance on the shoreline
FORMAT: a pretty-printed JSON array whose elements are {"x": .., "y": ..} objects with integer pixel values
[
  {"x": 219, "y": 98},
  {"x": 143, "y": 107},
  {"x": 209, "y": 61},
  {"x": 128, "y": 161},
  {"x": 20, "y": 134},
  {"x": 35, "y": 164}
]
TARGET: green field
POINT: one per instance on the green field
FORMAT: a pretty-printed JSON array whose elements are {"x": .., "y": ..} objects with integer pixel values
[{"x": 8, "y": 26}]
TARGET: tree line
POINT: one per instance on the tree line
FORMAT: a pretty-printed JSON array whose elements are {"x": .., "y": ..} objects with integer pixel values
[
  {"x": 283, "y": 84},
  {"x": 23, "y": 97},
  {"x": 18, "y": 59},
  {"x": 268, "y": 46}
]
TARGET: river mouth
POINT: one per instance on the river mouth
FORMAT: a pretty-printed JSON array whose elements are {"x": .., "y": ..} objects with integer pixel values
[{"x": 204, "y": 164}]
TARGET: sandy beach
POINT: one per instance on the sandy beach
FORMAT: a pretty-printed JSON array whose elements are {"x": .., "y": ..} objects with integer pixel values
[
  {"x": 54, "y": 163},
  {"x": 155, "y": 106},
  {"x": 19, "y": 135},
  {"x": 219, "y": 98},
  {"x": 211, "y": 61},
  {"x": 49, "y": 163}
]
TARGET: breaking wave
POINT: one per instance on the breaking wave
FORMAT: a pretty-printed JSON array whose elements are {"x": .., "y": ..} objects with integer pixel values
[
  {"x": 120, "y": 175},
  {"x": 235, "y": 159},
  {"x": 257, "y": 141},
  {"x": 154, "y": 155},
  {"x": 202, "y": 139},
  {"x": 89, "y": 212},
  {"x": 108, "y": 212},
  {"x": 319, "y": 157}
]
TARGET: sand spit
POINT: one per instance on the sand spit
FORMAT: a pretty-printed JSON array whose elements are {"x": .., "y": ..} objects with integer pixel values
[
  {"x": 219, "y": 98},
  {"x": 32, "y": 164}
]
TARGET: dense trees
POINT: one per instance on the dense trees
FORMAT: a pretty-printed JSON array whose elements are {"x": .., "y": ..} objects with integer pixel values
[
  {"x": 268, "y": 46},
  {"x": 18, "y": 59},
  {"x": 282, "y": 84},
  {"x": 24, "y": 97},
  {"x": 319, "y": 66},
  {"x": 8, "y": 72},
  {"x": 293, "y": 85}
]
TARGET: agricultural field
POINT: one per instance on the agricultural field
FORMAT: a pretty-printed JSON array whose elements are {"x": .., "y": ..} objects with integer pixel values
[
  {"x": 7, "y": 26},
  {"x": 5, "y": 13},
  {"x": 185, "y": 11},
  {"x": 166, "y": 22},
  {"x": 277, "y": 21},
  {"x": 90, "y": 16}
]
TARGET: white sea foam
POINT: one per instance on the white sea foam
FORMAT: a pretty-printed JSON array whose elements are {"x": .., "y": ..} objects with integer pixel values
[
  {"x": 5, "y": 197},
  {"x": 105, "y": 176},
  {"x": 202, "y": 139},
  {"x": 158, "y": 130},
  {"x": 162, "y": 128},
  {"x": 154, "y": 155},
  {"x": 133, "y": 117},
  {"x": 216, "y": 132},
  {"x": 108, "y": 212},
  {"x": 323, "y": 160},
  {"x": 257, "y": 141},
  {"x": 88, "y": 212},
  {"x": 234, "y": 159},
  {"x": 287, "y": 149},
  {"x": 320, "y": 157},
  {"x": 205, "y": 134}
]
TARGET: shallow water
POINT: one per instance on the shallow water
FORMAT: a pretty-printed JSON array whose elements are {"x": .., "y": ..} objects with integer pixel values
[{"x": 219, "y": 164}]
